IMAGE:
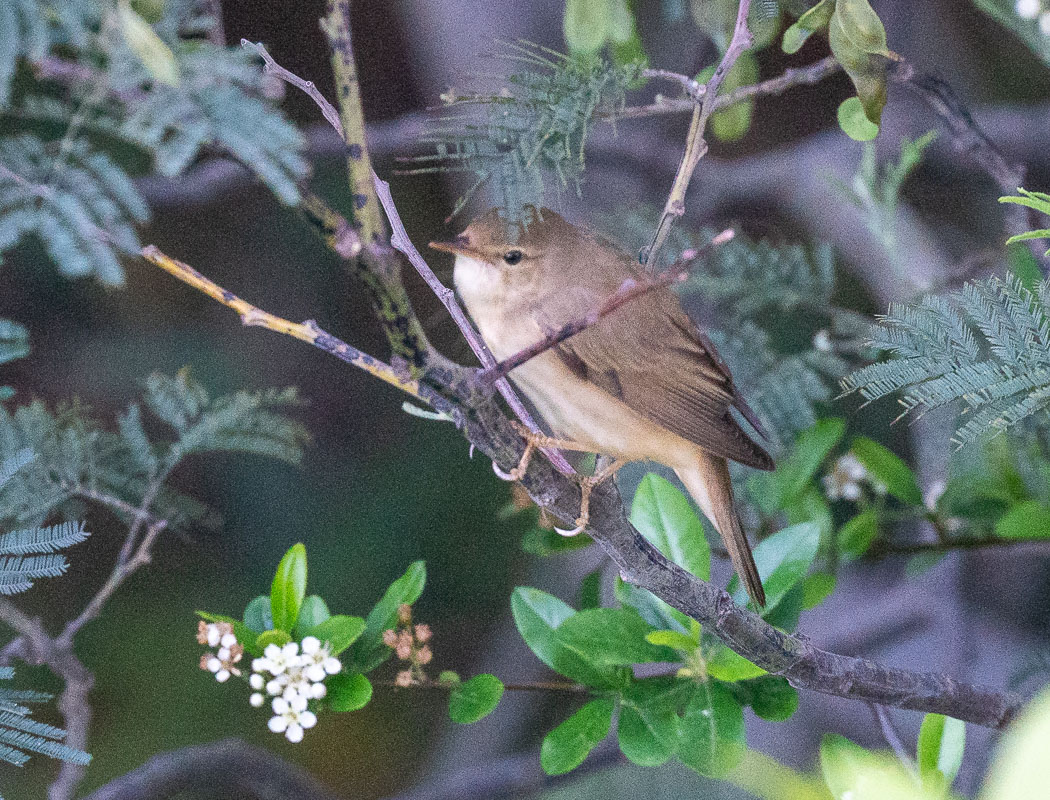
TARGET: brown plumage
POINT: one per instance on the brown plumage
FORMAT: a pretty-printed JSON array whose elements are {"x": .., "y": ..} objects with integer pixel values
[{"x": 641, "y": 384}]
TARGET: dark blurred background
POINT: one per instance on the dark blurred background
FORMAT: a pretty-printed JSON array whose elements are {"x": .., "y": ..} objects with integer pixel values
[{"x": 381, "y": 488}]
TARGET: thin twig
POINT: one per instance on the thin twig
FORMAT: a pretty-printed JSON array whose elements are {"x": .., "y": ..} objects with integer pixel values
[
  {"x": 271, "y": 67},
  {"x": 628, "y": 291},
  {"x": 693, "y": 87},
  {"x": 890, "y": 734},
  {"x": 696, "y": 145}
]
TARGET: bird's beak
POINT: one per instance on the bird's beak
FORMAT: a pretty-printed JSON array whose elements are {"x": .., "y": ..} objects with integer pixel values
[{"x": 458, "y": 246}]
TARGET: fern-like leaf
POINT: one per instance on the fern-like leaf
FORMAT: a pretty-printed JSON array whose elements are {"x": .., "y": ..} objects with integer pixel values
[{"x": 986, "y": 345}]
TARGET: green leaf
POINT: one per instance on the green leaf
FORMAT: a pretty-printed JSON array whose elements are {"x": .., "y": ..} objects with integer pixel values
[
  {"x": 770, "y": 697},
  {"x": 815, "y": 19},
  {"x": 782, "y": 559},
  {"x": 841, "y": 761},
  {"x": 150, "y": 49},
  {"x": 586, "y": 24},
  {"x": 1020, "y": 768},
  {"x": 591, "y": 589},
  {"x": 648, "y": 727},
  {"x": 665, "y": 517},
  {"x": 1024, "y": 266},
  {"x": 476, "y": 699},
  {"x": 544, "y": 542},
  {"x": 289, "y": 588},
  {"x": 257, "y": 615},
  {"x": 773, "y": 491},
  {"x": 939, "y": 752},
  {"x": 856, "y": 535},
  {"x": 711, "y": 737},
  {"x": 565, "y": 747},
  {"x": 538, "y": 616},
  {"x": 733, "y": 123},
  {"x": 1028, "y": 520},
  {"x": 612, "y": 637},
  {"x": 854, "y": 121},
  {"x": 858, "y": 42},
  {"x": 314, "y": 611},
  {"x": 277, "y": 637},
  {"x": 651, "y": 608},
  {"x": 448, "y": 676},
  {"x": 348, "y": 692},
  {"x": 673, "y": 639},
  {"x": 1034, "y": 200},
  {"x": 816, "y": 588},
  {"x": 340, "y": 631},
  {"x": 889, "y": 469},
  {"x": 368, "y": 652},
  {"x": 726, "y": 664}
]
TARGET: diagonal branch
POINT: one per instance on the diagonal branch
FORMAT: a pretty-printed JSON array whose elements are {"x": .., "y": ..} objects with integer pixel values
[
  {"x": 628, "y": 291},
  {"x": 696, "y": 145}
]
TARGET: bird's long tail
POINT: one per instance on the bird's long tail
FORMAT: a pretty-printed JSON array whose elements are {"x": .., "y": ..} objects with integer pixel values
[{"x": 707, "y": 480}]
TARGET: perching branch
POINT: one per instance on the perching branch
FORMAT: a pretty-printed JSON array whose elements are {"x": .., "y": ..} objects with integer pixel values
[
  {"x": 628, "y": 291},
  {"x": 793, "y": 657},
  {"x": 696, "y": 145}
]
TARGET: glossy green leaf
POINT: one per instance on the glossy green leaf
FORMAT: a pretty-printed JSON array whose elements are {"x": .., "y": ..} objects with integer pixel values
[
  {"x": 648, "y": 726},
  {"x": 651, "y": 608},
  {"x": 475, "y": 699},
  {"x": 771, "y": 697},
  {"x": 1028, "y": 520},
  {"x": 858, "y": 42},
  {"x": 586, "y": 24},
  {"x": 887, "y": 468},
  {"x": 939, "y": 751},
  {"x": 815, "y": 19},
  {"x": 611, "y": 637},
  {"x": 783, "y": 559},
  {"x": 368, "y": 651},
  {"x": 348, "y": 691},
  {"x": 672, "y": 639},
  {"x": 538, "y": 616},
  {"x": 733, "y": 122},
  {"x": 856, "y": 535},
  {"x": 854, "y": 121},
  {"x": 774, "y": 490},
  {"x": 565, "y": 747},
  {"x": 591, "y": 589},
  {"x": 1020, "y": 767},
  {"x": 257, "y": 614},
  {"x": 340, "y": 631},
  {"x": 149, "y": 48},
  {"x": 816, "y": 588},
  {"x": 711, "y": 737},
  {"x": 288, "y": 588},
  {"x": 544, "y": 542},
  {"x": 1024, "y": 266},
  {"x": 665, "y": 517},
  {"x": 314, "y": 611},
  {"x": 276, "y": 636},
  {"x": 725, "y": 664}
]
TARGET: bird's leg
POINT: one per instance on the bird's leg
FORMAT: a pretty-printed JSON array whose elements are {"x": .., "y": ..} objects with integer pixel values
[
  {"x": 587, "y": 485},
  {"x": 532, "y": 441}
]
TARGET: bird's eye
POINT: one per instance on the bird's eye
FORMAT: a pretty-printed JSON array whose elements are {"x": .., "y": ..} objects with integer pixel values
[{"x": 512, "y": 257}]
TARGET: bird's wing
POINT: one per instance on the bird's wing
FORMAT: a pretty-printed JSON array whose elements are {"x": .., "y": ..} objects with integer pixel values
[{"x": 650, "y": 355}]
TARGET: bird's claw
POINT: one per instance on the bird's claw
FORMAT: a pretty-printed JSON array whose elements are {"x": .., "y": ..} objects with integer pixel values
[
  {"x": 570, "y": 531},
  {"x": 515, "y": 474}
]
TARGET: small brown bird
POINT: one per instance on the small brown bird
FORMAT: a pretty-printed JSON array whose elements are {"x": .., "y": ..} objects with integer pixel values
[{"x": 642, "y": 384}]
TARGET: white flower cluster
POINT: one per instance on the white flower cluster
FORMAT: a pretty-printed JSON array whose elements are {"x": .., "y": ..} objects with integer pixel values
[
  {"x": 223, "y": 662},
  {"x": 292, "y": 677},
  {"x": 846, "y": 479},
  {"x": 1030, "y": 9}
]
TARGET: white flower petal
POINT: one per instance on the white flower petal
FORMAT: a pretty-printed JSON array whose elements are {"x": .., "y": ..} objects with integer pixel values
[
  {"x": 229, "y": 640},
  {"x": 318, "y": 690},
  {"x": 272, "y": 651},
  {"x": 280, "y": 705},
  {"x": 260, "y": 665},
  {"x": 256, "y": 700},
  {"x": 214, "y": 665},
  {"x": 294, "y": 734},
  {"x": 298, "y": 703},
  {"x": 222, "y": 675},
  {"x": 315, "y": 673},
  {"x": 1027, "y": 9},
  {"x": 223, "y": 654},
  {"x": 290, "y": 650},
  {"x": 277, "y": 724},
  {"x": 213, "y": 635},
  {"x": 311, "y": 644},
  {"x": 308, "y": 719},
  {"x": 333, "y": 665},
  {"x": 273, "y": 687},
  {"x": 256, "y": 681}
]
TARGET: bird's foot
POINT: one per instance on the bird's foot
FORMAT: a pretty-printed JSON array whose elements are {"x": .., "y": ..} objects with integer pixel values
[
  {"x": 533, "y": 440},
  {"x": 587, "y": 484}
]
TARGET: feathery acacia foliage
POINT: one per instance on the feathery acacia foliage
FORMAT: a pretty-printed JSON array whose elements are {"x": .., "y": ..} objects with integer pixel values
[
  {"x": 987, "y": 345},
  {"x": 115, "y": 79},
  {"x": 76, "y": 454},
  {"x": 537, "y": 122}
]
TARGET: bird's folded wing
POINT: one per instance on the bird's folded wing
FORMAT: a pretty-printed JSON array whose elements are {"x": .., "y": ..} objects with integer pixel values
[{"x": 651, "y": 356}]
